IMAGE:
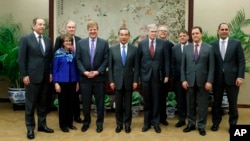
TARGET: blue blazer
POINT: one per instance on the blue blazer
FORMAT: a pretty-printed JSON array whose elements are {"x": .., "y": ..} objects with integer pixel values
[{"x": 64, "y": 67}]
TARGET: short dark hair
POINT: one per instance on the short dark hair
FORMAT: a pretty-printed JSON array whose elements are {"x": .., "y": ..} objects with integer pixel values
[
  {"x": 123, "y": 28},
  {"x": 222, "y": 24},
  {"x": 197, "y": 27},
  {"x": 63, "y": 36},
  {"x": 35, "y": 20},
  {"x": 183, "y": 31}
]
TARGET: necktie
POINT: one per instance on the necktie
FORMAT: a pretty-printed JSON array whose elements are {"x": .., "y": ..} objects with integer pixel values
[
  {"x": 123, "y": 55},
  {"x": 223, "y": 50},
  {"x": 196, "y": 52},
  {"x": 151, "y": 49},
  {"x": 40, "y": 44},
  {"x": 92, "y": 52}
]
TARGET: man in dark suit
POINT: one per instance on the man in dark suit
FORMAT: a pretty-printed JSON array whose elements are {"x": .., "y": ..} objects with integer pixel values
[
  {"x": 165, "y": 87},
  {"x": 153, "y": 60},
  {"x": 71, "y": 29},
  {"x": 229, "y": 75},
  {"x": 176, "y": 76},
  {"x": 92, "y": 60},
  {"x": 35, "y": 58},
  {"x": 197, "y": 74},
  {"x": 123, "y": 78}
]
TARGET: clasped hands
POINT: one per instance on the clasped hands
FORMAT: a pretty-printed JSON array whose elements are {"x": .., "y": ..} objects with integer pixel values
[{"x": 91, "y": 74}]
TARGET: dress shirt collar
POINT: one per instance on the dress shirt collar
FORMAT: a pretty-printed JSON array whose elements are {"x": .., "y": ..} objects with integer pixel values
[{"x": 225, "y": 40}]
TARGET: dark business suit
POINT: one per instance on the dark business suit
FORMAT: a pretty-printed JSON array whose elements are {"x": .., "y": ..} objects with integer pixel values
[
  {"x": 95, "y": 85},
  {"x": 151, "y": 77},
  {"x": 197, "y": 73},
  {"x": 176, "y": 76},
  {"x": 226, "y": 73},
  {"x": 37, "y": 66},
  {"x": 165, "y": 87},
  {"x": 76, "y": 106},
  {"x": 123, "y": 76}
]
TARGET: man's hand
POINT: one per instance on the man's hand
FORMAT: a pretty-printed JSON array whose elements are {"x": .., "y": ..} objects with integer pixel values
[
  {"x": 185, "y": 85},
  {"x": 26, "y": 80},
  {"x": 165, "y": 80},
  {"x": 208, "y": 86},
  {"x": 135, "y": 85},
  {"x": 239, "y": 82},
  {"x": 112, "y": 86}
]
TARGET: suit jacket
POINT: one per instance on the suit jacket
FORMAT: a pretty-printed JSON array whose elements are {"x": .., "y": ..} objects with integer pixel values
[
  {"x": 156, "y": 67},
  {"x": 32, "y": 62},
  {"x": 100, "y": 59},
  {"x": 120, "y": 74},
  {"x": 58, "y": 43},
  {"x": 169, "y": 46},
  {"x": 233, "y": 64},
  {"x": 200, "y": 71},
  {"x": 176, "y": 62}
]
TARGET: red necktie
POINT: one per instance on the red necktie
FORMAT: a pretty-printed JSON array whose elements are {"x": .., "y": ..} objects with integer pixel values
[{"x": 151, "y": 49}]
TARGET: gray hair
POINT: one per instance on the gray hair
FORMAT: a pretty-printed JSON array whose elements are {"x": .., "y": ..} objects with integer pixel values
[{"x": 151, "y": 26}]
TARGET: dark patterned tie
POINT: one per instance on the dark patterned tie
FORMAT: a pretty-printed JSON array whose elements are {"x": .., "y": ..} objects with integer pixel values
[
  {"x": 196, "y": 52},
  {"x": 40, "y": 44},
  {"x": 151, "y": 49}
]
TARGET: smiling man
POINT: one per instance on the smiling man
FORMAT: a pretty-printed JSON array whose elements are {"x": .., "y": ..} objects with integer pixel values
[
  {"x": 123, "y": 78},
  {"x": 197, "y": 72},
  {"x": 92, "y": 60},
  {"x": 154, "y": 70}
]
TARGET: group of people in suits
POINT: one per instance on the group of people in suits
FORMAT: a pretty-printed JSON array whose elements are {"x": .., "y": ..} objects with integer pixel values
[{"x": 80, "y": 65}]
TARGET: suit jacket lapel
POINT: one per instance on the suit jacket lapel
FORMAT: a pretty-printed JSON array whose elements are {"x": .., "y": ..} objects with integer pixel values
[
  {"x": 118, "y": 50},
  {"x": 217, "y": 50},
  {"x": 36, "y": 44}
]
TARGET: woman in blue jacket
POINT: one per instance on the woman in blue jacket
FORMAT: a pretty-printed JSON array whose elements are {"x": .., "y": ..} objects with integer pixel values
[{"x": 65, "y": 78}]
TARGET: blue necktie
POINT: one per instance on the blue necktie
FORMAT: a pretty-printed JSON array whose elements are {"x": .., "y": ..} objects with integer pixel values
[
  {"x": 40, "y": 44},
  {"x": 123, "y": 55},
  {"x": 92, "y": 53}
]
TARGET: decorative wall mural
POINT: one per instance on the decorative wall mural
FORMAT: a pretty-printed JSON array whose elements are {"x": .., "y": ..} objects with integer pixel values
[{"x": 113, "y": 14}]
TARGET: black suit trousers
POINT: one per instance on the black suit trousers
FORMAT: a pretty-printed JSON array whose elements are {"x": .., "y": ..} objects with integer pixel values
[
  {"x": 36, "y": 98},
  {"x": 66, "y": 102},
  {"x": 162, "y": 101},
  {"x": 151, "y": 95},
  {"x": 181, "y": 98},
  {"x": 232, "y": 95},
  {"x": 76, "y": 105},
  {"x": 123, "y": 98},
  {"x": 87, "y": 90}
]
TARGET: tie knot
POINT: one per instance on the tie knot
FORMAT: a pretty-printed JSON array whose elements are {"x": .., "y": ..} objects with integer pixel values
[
  {"x": 93, "y": 40},
  {"x": 196, "y": 45},
  {"x": 223, "y": 42},
  {"x": 39, "y": 36},
  {"x": 123, "y": 46}
]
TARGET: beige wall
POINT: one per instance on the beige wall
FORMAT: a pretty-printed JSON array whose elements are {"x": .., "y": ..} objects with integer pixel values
[
  {"x": 25, "y": 10},
  {"x": 209, "y": 13}
]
